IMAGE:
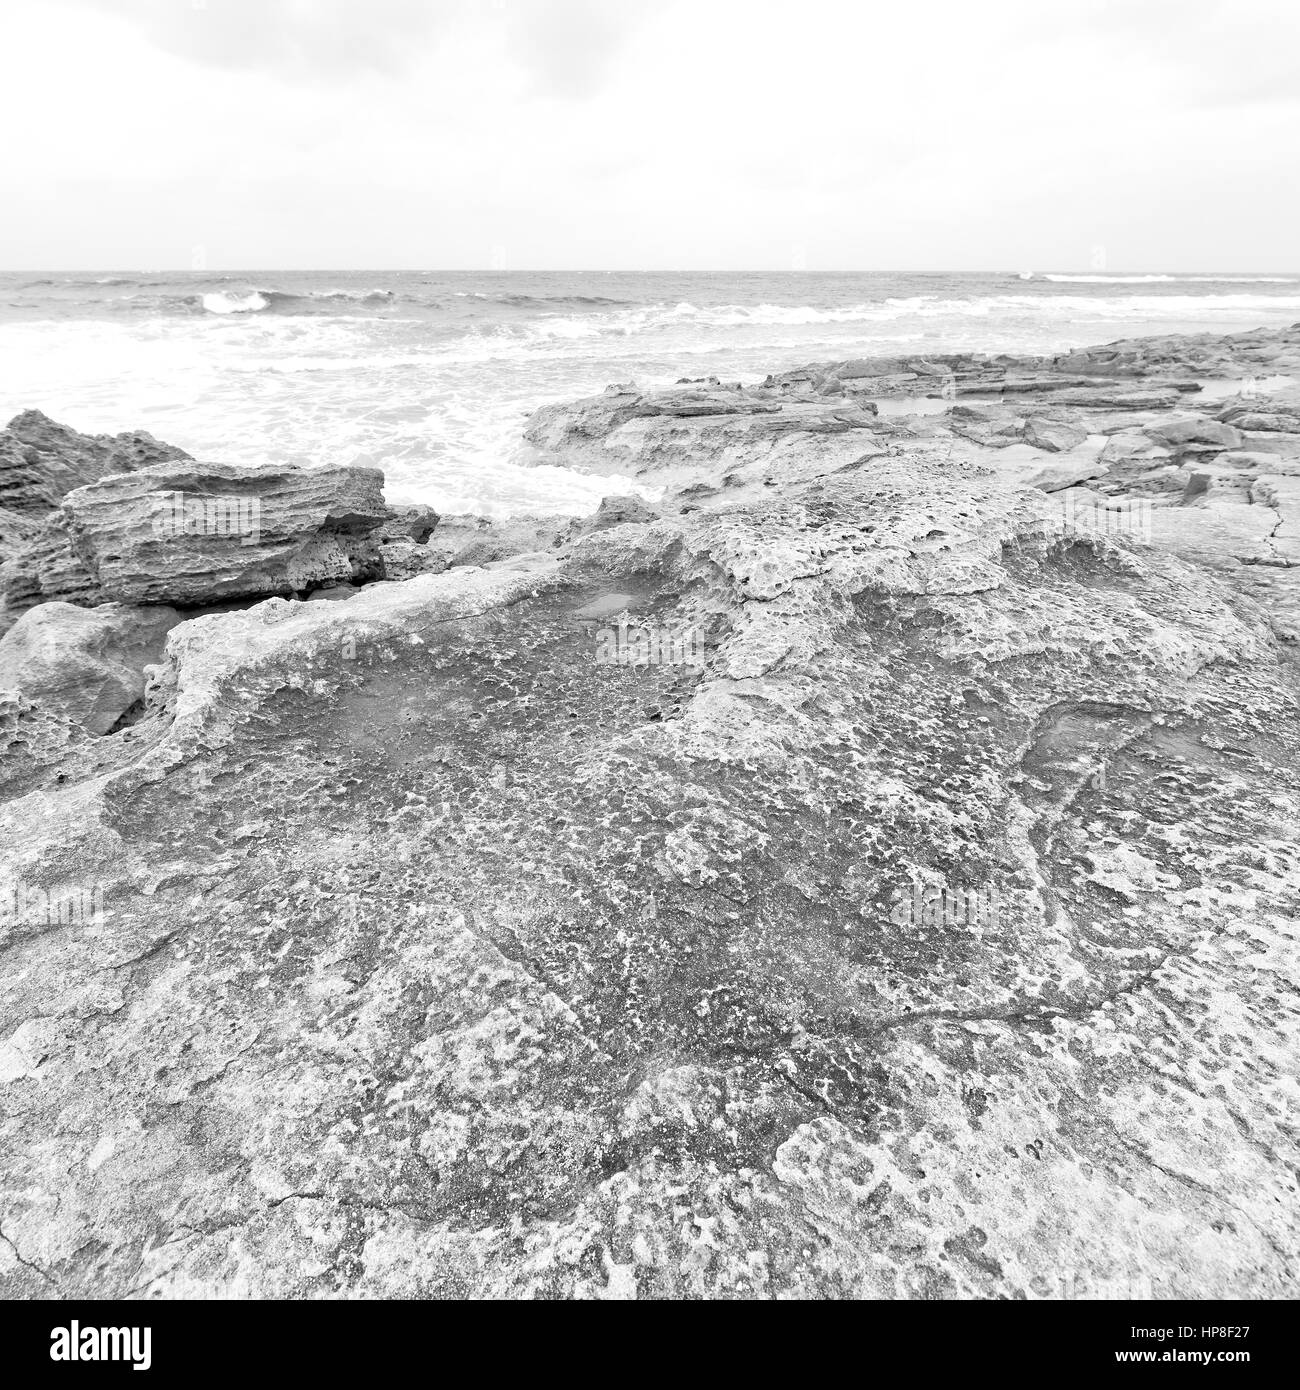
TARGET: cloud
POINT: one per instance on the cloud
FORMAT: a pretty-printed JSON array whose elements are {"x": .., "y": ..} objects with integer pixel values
[
  {"x": 300, "y": 38},
  {"x": 650, "y": 132},
  {"x": 1205, "y": 53},
  {"x": 563, "y": 46},
  {"x": 567, "y": 45}
]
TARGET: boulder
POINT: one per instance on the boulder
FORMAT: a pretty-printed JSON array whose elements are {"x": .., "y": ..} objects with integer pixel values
[
  {"x": 1065, "y": 473},
  {"x": 41, "y": 461},
  {"x": 403, "y": 540},
  {"x": 1133, "y": 447},
  {"x": 411, "y": 523},
  {"x": 1055, "y": 436},
  {"x": 86, "y": 664},
  {"x": 404, "y": 559},
  {"x": 1196, "y": 430},
  {"x": 621, "y": 510},
  {"x": 196, "y": 534}
]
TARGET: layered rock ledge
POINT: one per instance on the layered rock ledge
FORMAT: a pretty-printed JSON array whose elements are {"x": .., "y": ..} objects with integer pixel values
[{"x": 439, "y": 957}]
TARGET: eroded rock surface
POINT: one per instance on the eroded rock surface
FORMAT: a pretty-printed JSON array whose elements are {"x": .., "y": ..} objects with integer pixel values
[
  {"x": 41, "y": 461},
  {"x": 440, "y": 958},
  {"x": 199, "y": 533},
  {"x": 85, "y": 663}
]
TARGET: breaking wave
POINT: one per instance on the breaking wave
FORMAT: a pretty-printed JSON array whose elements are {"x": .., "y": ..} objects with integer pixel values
[
  {"x": 286, "y": 302},
  {"x": 233, "y": 303}
]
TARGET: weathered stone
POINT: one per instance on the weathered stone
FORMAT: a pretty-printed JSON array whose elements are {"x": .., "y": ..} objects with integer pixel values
[
  {"x": 621, "y": 511},
  {"x": 1065, "y": 473},
  {"x": 1198, "y": 485},
  {"x": 82, "y": 663},
  {"x": 47, "y": 567},
  {"x": 1194, "y": 429},
  {"x": 1272, "y": 422},
  {"x": 1102, "y": 398},
  {"x": 196, "y": 534},
  {"x": 992, "y": 427},
  {"x": 404, "y": 559},
  {"x": 15, "y": 531},
  {"x": 1205, "y": 355},
  {"x": 1133, "y": 447},
  {"x": 40, "y": 461},
  {"x": 933, "y": 936},
  {"x": 478, "y": 540},
  {"x": 413, "y": 523},
  {"x": 1053, "y": 435}
]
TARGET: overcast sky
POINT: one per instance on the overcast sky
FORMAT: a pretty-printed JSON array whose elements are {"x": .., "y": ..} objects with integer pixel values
[{"x": 651, "y": 134}]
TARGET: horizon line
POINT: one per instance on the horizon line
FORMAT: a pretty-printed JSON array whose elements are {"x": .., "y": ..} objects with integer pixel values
[{"x": 561, "y": 270}]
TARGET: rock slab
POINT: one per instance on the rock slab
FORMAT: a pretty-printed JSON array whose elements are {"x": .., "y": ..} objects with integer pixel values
[{"x": 194, "y": 534}]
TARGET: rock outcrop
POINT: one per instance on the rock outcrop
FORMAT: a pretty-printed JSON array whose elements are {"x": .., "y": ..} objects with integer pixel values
[
  {"x": 414, "y": 523},
  {"x": 194, "y": 534},
  {"x": 857, "y": 875},
  {"x": 15, "y": 531},
  {"x": 41, "y": 462},
  {"x": 1194, "y": 430},
  {"x": 1053, "y": 436},
  {"x": 86, "y": 664}
]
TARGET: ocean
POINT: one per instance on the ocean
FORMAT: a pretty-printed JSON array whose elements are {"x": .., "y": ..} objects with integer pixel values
[{"x": 430, "y": 375}]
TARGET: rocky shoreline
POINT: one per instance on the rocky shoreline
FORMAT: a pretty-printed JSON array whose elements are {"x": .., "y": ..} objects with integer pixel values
[{"x": 930, "y": 932}]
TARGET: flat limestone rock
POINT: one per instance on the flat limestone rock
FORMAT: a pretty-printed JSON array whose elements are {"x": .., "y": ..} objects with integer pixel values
[
  {"x": 1066, "y": 473},
  {"x": 1272, "y": 422},
  {"x": 1192, "y": 429},
  {"x": 1111, "y": 398},
  {"x": 920, "y": 924},
  {"x": 994, "y": 428},
  {"x": 440, "y": 957},
  {"x": 1055, "y": 436}
]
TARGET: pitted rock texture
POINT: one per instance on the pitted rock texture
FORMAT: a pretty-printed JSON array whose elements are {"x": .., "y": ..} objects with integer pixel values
[
  {"x": 195, "y": 534},
  {"x": 85, "y": 663},
  {"x": 714, "y": 436},
  {"x": 41, "y": 462},
  {"x": 439, "y": 958}
]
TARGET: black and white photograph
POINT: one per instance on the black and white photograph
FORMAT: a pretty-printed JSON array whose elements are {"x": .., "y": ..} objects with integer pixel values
[{"x": 649, "y": 651}]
